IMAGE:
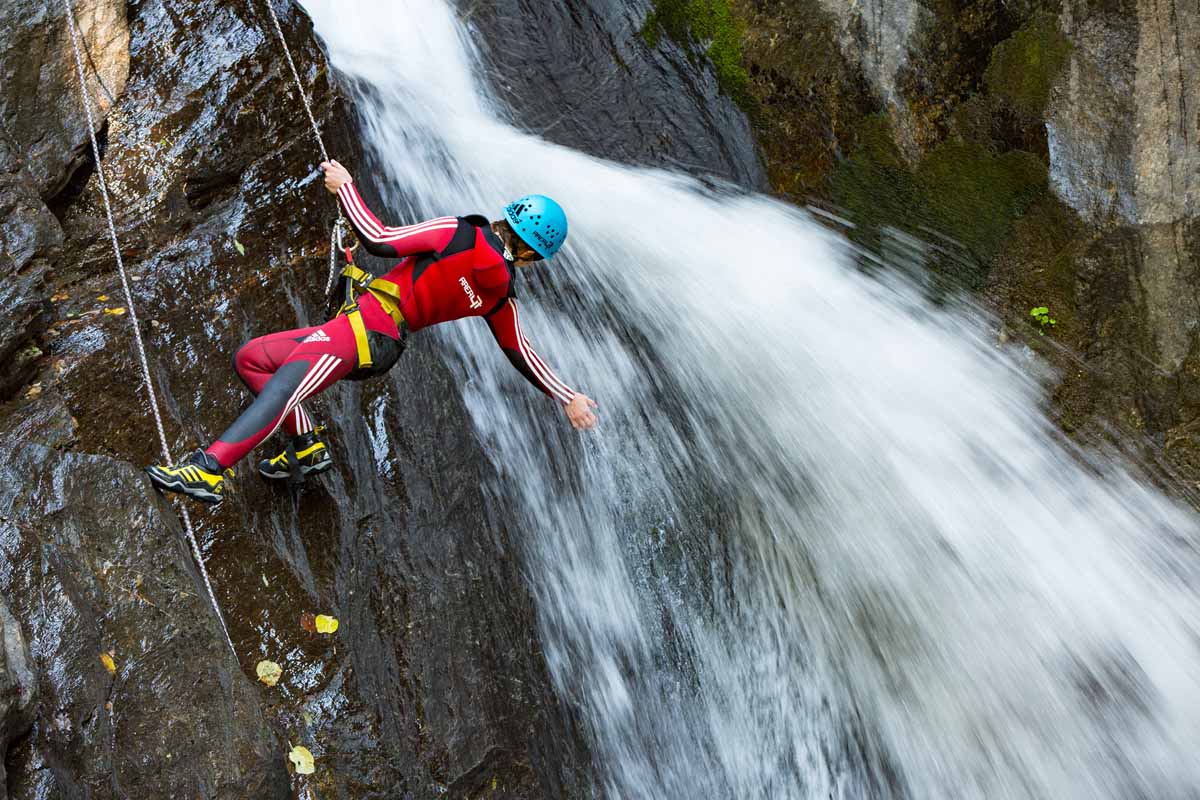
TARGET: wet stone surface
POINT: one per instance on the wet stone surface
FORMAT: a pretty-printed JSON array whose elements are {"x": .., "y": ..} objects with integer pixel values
[
  {"x": 18, "y": 684},
  {"x": 434, "y": 683},
  {"x": 582, "y": 74},
  {"x": 175, "y": 713}
]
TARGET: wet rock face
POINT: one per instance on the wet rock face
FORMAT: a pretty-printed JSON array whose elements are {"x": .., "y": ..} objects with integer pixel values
[
  {"x": 435, "y": 682},
  {"x": 613, "y": 95},
  {"x": 176, "y": 714},
  {"x": 18, "y": 685},
  {"x": 28, "y": 234},
  {"x": 40, "y": 141},
  {"x": 39, "y": 104}
]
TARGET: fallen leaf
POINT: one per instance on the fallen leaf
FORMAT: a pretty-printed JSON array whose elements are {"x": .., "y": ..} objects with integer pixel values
[
  {"x": 107, "y": 660},
  {"x": 308, "y": 622},
  {"x": 268, "y": 672},
  {"x": 102, "y": 298},
  {"x": 303, "y": 760},
  {"x": 241, "y": 248},
  {"x": 264, "y": 577},
  {"x": 326, "y": 624},
  {"x": 58, "y": 298},
  {"x": 34, "y": 391},
  {"x": 116, "y": 312}
]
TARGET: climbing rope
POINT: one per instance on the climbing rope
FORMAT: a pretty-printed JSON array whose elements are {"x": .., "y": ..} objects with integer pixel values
[
  {"x": 287, "y": 51},
  {"x": 133, "y": 318},
  {"x": 335, "y": 239},
  {"x": 335, "y": 247}
]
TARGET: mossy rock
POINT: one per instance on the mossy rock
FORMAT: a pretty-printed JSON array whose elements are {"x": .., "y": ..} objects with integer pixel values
[
  {"x": 708, "y": 26},
  {"x": 873, "y": 184},
  {"x": 961, "y": 190},
  {"x": 974, "y": 195},
  {"x": 1023, "y": 67},
  {"x": 947, "y": 57},
  {"x": 807, "y": 99},
  {"x": 1037, "y": 267}
]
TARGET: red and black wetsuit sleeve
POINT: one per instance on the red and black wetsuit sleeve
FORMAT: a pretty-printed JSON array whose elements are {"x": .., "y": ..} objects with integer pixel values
[
  {"x": 386, "y": 242},
  {"x": 506, "y": 327}
]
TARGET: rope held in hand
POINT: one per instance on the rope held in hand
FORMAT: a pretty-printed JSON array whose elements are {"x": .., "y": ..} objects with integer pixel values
[{"x": 133, "y": 318}]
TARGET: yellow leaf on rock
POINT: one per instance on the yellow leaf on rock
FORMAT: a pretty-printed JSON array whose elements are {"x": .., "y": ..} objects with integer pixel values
[
  {"x": 268, "y": 672},
  {"x": 303, "y": 760},
  {"x": 326, "y": 624},
  {"x": 102, "y": 297},
  {"x": 107, "y": 660},
  {"x": 116, "y": 312}
]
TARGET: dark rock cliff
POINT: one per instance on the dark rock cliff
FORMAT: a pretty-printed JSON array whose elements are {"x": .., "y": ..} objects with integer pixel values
[
  {"x": 579, "y": 73},
  {"x": 434, "y": 683}
]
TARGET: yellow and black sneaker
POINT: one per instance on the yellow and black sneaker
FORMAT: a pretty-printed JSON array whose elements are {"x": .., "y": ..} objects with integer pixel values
[
  {"x": 200, "y": 477},
  {"x": 311, "y": 454}
]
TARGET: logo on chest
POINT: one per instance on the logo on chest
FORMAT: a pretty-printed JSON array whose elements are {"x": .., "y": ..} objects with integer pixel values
[{"x": 476, "y": 302}]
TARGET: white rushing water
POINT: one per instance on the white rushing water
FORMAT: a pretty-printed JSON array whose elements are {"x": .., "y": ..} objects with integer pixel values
[{"x": 825, "y": 543}]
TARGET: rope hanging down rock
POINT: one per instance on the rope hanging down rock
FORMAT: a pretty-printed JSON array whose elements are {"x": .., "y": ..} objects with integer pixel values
[
  {"x": 336, "y": 236},
  {"x": 133, "y": 318}
]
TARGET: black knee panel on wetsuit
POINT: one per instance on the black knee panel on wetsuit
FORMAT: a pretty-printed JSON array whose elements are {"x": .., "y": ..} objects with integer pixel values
[{"x": 270, "y": 404}]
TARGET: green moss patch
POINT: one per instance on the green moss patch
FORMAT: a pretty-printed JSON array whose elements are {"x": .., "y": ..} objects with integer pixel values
[
  {"x": 874, "y": 185},
  {"x": 961, "y": 189},
  {"x": 1024, "y": 66},
  {"x": 974, "y": 195},
  {"x": 708, "y": 26}
]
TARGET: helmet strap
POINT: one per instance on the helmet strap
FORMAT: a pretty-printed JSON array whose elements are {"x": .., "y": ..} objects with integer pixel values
[{"x": 502, "y": 229}]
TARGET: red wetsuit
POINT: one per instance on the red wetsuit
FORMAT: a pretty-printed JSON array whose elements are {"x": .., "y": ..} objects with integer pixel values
[{"x": 452, "y": 267}]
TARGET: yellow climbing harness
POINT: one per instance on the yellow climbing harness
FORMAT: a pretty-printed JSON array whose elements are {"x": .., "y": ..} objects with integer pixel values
[{"x": 386, "y": 292}]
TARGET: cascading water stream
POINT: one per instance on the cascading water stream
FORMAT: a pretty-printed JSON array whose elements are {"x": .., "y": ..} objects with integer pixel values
[{"x": 826, "y": 542}]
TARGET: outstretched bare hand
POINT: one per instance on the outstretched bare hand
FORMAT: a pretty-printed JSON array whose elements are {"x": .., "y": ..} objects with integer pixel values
[
  {"x": 579, "y": 412},
  {"x": 335, "y": 176}
]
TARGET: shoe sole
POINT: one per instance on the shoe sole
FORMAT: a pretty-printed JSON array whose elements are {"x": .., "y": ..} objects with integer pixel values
[
  {"x": 178, "y": 486},
  {"x": 316, "y": 469}
]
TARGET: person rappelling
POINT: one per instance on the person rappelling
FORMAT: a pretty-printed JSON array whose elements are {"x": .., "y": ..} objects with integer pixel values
[{"x": 451, "y": 267}]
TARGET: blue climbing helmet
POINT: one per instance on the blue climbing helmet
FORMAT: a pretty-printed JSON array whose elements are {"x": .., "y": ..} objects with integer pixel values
[{"x": 539, "y": 221}]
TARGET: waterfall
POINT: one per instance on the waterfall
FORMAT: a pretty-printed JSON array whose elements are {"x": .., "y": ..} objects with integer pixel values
[{"x": 826, "y": 541}]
